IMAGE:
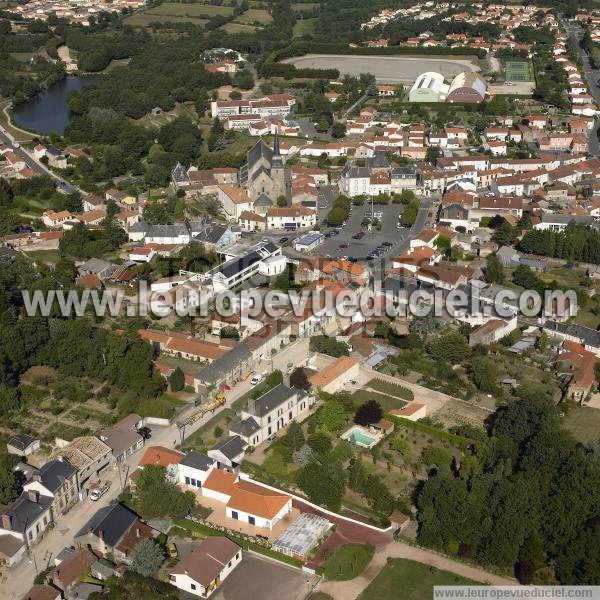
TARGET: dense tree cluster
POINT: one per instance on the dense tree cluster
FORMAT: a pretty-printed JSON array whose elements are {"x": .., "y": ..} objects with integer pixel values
[
  {"x": 576, "y": 243},
  {"x": 155, "y": 497},
  {"x": 328, "y": 345},
  {"x": 74, "y": 347},
  {"x": 505, "y": 505}
]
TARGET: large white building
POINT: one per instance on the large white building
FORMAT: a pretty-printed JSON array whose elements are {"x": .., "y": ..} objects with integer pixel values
[{"x": 429, "y": 87}]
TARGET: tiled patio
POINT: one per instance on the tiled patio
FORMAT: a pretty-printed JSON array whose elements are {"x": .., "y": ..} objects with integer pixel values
[{"x": 219, "y": 517}]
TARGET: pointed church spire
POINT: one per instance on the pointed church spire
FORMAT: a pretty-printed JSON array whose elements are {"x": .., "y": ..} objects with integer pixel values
[{"x": 276, "y": 161}]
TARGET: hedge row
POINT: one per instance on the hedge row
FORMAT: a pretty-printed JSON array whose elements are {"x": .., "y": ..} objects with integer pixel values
[
  {"x": 299, "y": 48},
  {"x": 461, "y": 441}
]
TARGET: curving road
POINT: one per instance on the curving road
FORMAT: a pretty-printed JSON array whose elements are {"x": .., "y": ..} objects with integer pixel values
[{"x": 36, "y": 166}]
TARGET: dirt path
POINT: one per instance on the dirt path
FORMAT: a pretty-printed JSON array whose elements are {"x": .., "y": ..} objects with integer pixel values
[{"x": 348, "y": 590}]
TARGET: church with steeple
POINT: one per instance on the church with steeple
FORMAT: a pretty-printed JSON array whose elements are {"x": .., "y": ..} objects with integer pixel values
[{"x": 265, "y": 176}]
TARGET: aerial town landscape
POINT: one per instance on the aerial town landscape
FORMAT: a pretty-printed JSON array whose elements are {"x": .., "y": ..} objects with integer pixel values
[{"x": 299, "y": 299}]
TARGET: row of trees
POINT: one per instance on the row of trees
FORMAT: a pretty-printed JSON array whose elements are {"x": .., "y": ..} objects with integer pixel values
[{"x": 576, "y": 243}]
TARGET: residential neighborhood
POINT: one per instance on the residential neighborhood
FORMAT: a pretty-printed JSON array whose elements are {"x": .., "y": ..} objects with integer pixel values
[{"x": 298, "y": 300}]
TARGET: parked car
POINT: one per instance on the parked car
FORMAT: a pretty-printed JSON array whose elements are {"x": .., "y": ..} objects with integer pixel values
[
  {"x": 359, "y": 236},
  {"x": 283, "y": 240},
  {"x": 344, "y": 245},
  {"x": 98, "y": 492},
  {"x": 145, "y": 432},
  {"x": 256, "y": 378},
  {"x": 271, "y": 438},
  {"x": 172, "y": 550},
  {"x": 387, "y": 244}
]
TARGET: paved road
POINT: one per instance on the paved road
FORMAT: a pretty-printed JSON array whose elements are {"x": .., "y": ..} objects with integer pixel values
[
  {"x": 36, "y": 166},
  {"x": 15, "y": 582},
  {"x": 592, "y": 75}
]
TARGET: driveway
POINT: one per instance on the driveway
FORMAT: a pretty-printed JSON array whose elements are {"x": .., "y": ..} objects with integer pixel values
[{"x": 262, "y": 579}]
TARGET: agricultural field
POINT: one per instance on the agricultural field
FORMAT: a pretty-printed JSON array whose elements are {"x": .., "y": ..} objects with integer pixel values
[
  {"x": 57, "y": 406},
  {"x": 301, "y": 6},
  {"x": 409, "y": 580},
  {"x": 235, "y": 27},
  {"x": 144, "y": 19},
  {"x": 253, "y": 15},
  {"x": 196, "y": 13}
]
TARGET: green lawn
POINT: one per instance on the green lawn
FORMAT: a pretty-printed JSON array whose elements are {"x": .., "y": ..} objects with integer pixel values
[
  {"x": 583, "y": 422},
  {"x": 303, "y": 26},
  {"x": 199, "y": 439},
  {"x": 44, "y": 256},
  {"x": 407, "y": 580},
  {"x": 391, "y": 389},
  {"x": 387, "y": 402},
  {"x": 347, "y": 562}
]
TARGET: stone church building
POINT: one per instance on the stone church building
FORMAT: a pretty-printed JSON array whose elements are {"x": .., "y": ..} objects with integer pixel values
[{"x": 265, "y": 177}]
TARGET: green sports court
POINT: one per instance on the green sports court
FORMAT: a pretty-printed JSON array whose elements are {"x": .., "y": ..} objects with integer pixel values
[{"x": 517, "y": 71}]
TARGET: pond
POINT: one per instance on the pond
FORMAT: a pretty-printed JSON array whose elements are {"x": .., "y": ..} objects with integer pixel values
[{"x": 49, "y": 110}]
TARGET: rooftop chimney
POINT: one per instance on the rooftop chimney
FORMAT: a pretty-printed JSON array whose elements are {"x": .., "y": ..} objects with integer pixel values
[
  {"x": 6, "y": 521},
  {"x": 101, "y": 534},
  {"x": 137, "y": 532}
]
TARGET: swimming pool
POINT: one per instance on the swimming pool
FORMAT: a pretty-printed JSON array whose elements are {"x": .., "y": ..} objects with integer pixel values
[{"x": 358, "y": 436}]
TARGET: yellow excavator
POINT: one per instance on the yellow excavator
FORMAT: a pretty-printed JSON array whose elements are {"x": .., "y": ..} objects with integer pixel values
[{"x": 213, "y": 402}]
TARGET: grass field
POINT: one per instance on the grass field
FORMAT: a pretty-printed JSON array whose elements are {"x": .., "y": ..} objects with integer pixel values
[
  {"x": 44, "y": 256},
  {"x": 387, "y": 402},
  {"x": 234, "y": 27},
  {"x": 347, "y": 562},
  {"x": 407, "y": 580},
  {"x": 392, "y": 389},
  {"x": 255, "y": 14},
  {"x": 189, "y": 10},
  {"x": 583, "y": 422},
  {"x": 144, "y": 20},
  {"x": 299, "y": 7},
  {"x": 303, "y": 26}
]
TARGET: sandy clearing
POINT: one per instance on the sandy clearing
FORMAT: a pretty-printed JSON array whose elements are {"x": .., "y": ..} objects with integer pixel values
[{"x": 390, "y": 69}]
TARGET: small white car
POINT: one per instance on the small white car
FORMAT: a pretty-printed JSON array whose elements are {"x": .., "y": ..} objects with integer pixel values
[{"x": 256, "y": 378}]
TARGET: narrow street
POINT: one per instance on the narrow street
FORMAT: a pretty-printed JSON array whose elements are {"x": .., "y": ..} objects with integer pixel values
[
  {"x": 592, "y": 76},
  {"x": 15, "y": 582}
]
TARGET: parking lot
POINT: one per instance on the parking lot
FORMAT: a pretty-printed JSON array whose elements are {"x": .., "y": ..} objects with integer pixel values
[{"x": 343, "y": 244}]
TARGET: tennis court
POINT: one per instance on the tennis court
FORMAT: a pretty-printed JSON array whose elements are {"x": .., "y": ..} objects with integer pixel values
[{"x": 517, "y": 71}]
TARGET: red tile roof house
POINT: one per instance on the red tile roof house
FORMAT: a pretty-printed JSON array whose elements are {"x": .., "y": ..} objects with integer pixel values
[
  {"x": 245, "y": 501},
  {"x": 336, "y": 374},
  {"x": 203, "y": 570},
  {"x": 67, "y": 574}
]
